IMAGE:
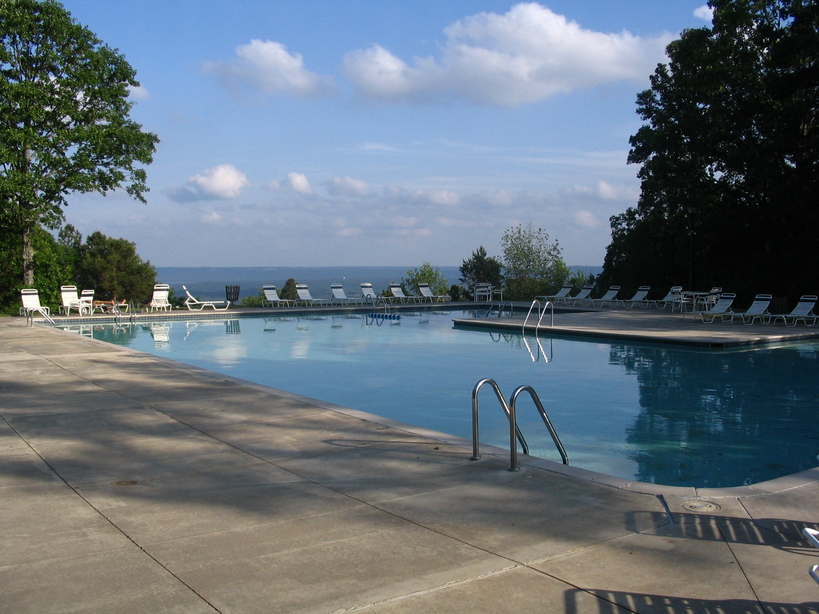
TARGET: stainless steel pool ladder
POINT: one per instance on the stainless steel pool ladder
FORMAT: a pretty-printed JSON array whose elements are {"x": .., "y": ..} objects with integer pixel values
[
  {"x": 541, "y": 311},
  {"x": 515, "y": 435},
  {"x": 30, "y": 318}
]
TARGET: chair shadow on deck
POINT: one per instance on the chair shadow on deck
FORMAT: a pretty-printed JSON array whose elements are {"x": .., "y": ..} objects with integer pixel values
[{"x": 614, "y": 602}]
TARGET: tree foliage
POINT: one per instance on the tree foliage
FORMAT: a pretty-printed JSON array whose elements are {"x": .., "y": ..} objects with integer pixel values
[
  {"x": 427, "y": 274},
  {"x": 113, "y": 269},
  {"x": 480, "y": 268},
  {"x": 729, "y": 153},
  {"x": 110, "y": 266},
  {"x": 64, "y": 120},
  {"x": 53, "y": 263},
  {"x": 532, "y": 265},
  {"x": 288, "y": 291}
]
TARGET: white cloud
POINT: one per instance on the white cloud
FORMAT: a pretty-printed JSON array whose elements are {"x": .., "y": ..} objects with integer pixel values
[
  {"x": 704, "y": 12},
  {"x": 268, "y": 66},
  {"x": 586, "y": 219},
  {"x": 347, "y": 186},
  {"x": 525, "y": 55},
  {"x": 298, "y": 183},
  {"x": 222, "y": 182},
  {"x": 139, "y": 93},
  {"x": 212, "y": 217},
  {"x": 446, "y": 198}
]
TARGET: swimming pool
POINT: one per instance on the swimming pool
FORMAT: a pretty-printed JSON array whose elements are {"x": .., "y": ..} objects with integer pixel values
[{"x": 658, "y": 414}]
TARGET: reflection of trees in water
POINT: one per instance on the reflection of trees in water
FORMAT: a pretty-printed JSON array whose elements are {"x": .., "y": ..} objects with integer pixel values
[{"x": 722, "y": 418}]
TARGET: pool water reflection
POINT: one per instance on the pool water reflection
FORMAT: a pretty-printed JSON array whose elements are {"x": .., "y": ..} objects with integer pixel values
[{"x": 653, "y": 413}]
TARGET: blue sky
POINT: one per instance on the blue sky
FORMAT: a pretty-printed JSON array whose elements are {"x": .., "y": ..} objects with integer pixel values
[{"x": 380, "y": 132}]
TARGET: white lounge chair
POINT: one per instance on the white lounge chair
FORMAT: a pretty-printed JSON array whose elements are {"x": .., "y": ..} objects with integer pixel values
[
  {"x": 87, "y": 299},
  {"x": 672, "y": 298},
  {"x": 812, "y": 535},
  {"x": 159, "y": 298},
  {"x": 562, "y": 294},
  {"x": 583, "y": 295},
  {"x": 340, "y": 297},
  {"x": 398, "y": 294},
  {"x": 368, "y": 293},
  {"x": 721, "y": 309},
  {"x": 194, "y": 304},
  {"x": 803, "y": 311},
  {"x": 31, "y": 303},
  {"x": 639, "y": 298},
  {"x": 272, "y": 299},
  {"x": 758, "y": 310},
  {"x": 305, "y": 297},
  {"x": 426, "y": 293},
  {"x": 71, "y": 300},
  {"x": 609, "y": 297}
]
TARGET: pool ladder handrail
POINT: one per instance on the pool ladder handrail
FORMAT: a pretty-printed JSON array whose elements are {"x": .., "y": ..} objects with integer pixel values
[
  {"x": 514, "y": 431},
  {"x": 541, "y": 313},
  {"x": 30, "y": 317}
]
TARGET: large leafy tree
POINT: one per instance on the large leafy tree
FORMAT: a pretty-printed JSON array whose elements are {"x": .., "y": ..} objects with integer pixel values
[
  {"x": 114, "y": 269},
  {"x": 64, "y": 120},
  {"x": 480, "y": 268},
  {"x": 427, "y": 274},
  {"x": 532, "y": 265},
  {"x": 729, "y": 154}
]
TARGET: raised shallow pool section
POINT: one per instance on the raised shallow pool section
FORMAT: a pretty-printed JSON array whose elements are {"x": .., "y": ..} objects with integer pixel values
[{"x": 652, "y": 413}]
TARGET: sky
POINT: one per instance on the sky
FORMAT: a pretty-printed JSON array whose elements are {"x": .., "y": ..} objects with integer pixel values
[{"x": 378, "y": 132}]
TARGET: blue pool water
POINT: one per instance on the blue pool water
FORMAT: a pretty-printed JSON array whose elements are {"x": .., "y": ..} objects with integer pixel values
[{"x": 653, "y": 413}]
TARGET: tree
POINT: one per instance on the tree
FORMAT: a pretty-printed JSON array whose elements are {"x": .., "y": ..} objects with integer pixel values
[
  {"x": 64, "y": 120},
  {"x": 729, "y": 154},
  {"x": 480, "y": 268},
  {"x": 113, "y": 268},
  {"x": 288, "y": 291},
  {"x": 50, "y": 258},
  {"x": 532, "y": 265},
  {"x": 427, "y": 274}
]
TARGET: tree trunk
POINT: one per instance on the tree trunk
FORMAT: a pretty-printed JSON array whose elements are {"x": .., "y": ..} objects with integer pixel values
[{"x": 28, "y": 260}]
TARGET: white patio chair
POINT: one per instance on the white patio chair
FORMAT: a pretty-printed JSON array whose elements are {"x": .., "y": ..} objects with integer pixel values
[
  {"x": 583, "y": 295},
  {"x": 639, "y": 298},
  {"x": 30, "y": 298},
  {"x": 398, "y": 294},
  {"x": 194, "y": 304},
  {"x": 427, "y": 293},
  {"x": 305, "y": 298},
  {"x": 159, "y": 298},
  {"x": 758, "y": 310},
  {"x": 368, "y": 293},
  {"x": 70, "y": 299},
  {"x": 272, "y": 299},
  {"x": 609, "y": 297},
  {"x": 340, "y": 297},
  {"x": 564, "y": 294},
  {"x": 803, "y": 311}
]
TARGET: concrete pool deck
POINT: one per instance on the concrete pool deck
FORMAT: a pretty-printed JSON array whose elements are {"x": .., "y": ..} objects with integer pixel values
[{"x": 131, "y": 483}]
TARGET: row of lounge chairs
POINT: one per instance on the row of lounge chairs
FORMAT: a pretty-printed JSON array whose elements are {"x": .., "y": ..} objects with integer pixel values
[
  {"x": 610, "y": 298},
  {"x": 759, "y": 311},
  {"x": 708, "y": 306},
  {"x": 339, "y": 296},
  {"x": 83, "y": 303}
]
